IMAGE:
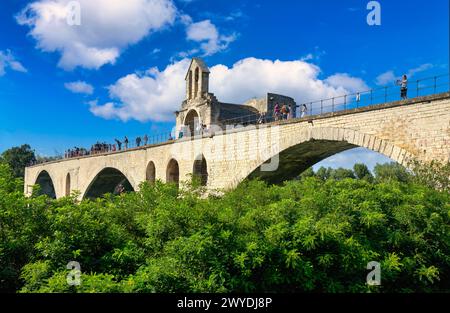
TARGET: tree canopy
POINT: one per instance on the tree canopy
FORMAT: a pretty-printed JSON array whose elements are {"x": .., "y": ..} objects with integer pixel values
[
  {"x": 18, "y": 158},
  {"x": 311, "y": 234}
]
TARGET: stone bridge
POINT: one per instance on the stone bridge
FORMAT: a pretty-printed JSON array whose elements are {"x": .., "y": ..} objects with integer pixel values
[{"x": 417, "y": 128}]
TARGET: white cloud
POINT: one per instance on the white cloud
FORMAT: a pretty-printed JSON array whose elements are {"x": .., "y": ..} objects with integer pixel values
[
  {"x": 80, "y": 87},
  {"x": 207, "y": 34},
  {"x": 7, "y": 60},
  {"x": 385, "y": 78},
  {"x": 344, "y": 83},
  {"x": 155, "y": 95},
  {"x": 389, "y": 76},
  {"x": 107, "y": 27},
  {"x": 421, "y": 68}
]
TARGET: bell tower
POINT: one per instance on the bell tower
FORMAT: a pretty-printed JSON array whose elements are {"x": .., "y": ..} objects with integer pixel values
[{"x": 197, "y": 80}]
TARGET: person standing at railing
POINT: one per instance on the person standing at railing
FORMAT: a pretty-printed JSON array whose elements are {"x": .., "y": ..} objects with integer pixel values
[
  {"x": 138, "y": 141},
  {"x": 303, "y": 110},
  {"x": 291, "y": 110},
  {"x": 403, "y": 87},
  {"x": 119, "y": 144},
  {"x": 284, "y": 112},
  {"x": 261, "y": 118},
  {"x": 276, "y": 112},
  {"x": 125, "y": 141},
  {"x": 145, "y": 140}
]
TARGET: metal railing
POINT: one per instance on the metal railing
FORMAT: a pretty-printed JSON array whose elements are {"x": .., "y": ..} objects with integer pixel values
[{"x": 416, "y": 88}]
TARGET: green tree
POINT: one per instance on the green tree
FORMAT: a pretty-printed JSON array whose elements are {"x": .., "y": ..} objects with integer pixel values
[
  {"x": 391, "y": 171},
  {"x": 362, "y": 172},
  {"x": 324, "y": 173},
  {"x": 308, "y": 173},
  {"x": 18, "y": 158},
  {"x": 434, "y": 174},
  {"x": 342, "y": 173},
  {"x": 305, "y": 235}
]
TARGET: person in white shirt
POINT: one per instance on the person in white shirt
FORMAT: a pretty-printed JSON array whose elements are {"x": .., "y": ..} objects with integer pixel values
[
  {"x": 303, "y": 110},
  {"x": 404, "y": 87}
]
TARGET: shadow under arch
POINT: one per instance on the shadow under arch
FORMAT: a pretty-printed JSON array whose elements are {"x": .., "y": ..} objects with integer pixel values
[
  {"x": 200, "y": 170},
  {"x": 150, "y": 173},
  {"x": 46, "y": 183},
  {"x": 108, "y": 180},
  {"x": 320, "y": 144},
  {"x": 295, "y": 160},
  {"x": 173, "y": 172}
]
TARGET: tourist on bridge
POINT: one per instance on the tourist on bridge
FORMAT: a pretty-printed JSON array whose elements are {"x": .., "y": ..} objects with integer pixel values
[
  {"x": 138, "y": 141},
  {"x": 276, "y": 112},
  {"x": 304, "y": 110},
  {"x": 262, "y": 118},
  {"x": 283, "y": 112},
  {"x": 119, "y": 144},
  {"x": 145, "y": 140},
  {"x": 404, "y": 87},
  {"x": 125, "y": 142},
  {"x": 291, "y": 110}
]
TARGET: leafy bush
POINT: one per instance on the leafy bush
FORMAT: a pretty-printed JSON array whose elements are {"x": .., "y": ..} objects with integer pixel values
[{"x": 309, "y": 235}]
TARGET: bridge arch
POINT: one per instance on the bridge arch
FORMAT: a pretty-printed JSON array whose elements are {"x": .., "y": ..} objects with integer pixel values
[
  {"x": 298, "y": 153},
  {"x": 45, "y": 181},
  {"x": 150, "y": 172},
  {"x": 173, "y": 172},
  {"x": 200, "y": 170},
  {"x": 108, "y": 180}
]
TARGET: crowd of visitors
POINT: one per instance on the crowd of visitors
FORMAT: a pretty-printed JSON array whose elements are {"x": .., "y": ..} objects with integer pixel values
[
  {"x": 103, "y": 147},
  {"x": 285, "y": 112}
]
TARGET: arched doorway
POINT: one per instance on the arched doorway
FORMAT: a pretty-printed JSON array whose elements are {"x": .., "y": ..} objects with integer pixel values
[
  {"x": 108, "y": 180},
  {"x": 68, "y": 187},
  {"x": 46, "y": 185},
  {"x": 192, "y": 121},
  {"x": 150, "y": 174},
  {"x": 173, "y": 172},
  {"x": 200, "y": 170}
]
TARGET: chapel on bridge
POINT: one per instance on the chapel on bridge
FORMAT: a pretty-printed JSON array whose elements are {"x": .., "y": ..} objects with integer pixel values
[{"x": 201, "y": 107}]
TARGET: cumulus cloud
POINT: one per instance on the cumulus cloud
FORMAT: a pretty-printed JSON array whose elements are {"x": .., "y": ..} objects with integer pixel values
[
  {"x": 419, "y": 69},
  {"x": 207, "y": 34},
  {"x": 385, "y": 78},
  {"x": 80, "y": 87},
  {"x": 389, "y": 76},
  {"x": 7, "y": 60},
  {"x": 345, "y": 83},
  {"x": 107, "y": 27},
  {"x": 155, "y": 95}
]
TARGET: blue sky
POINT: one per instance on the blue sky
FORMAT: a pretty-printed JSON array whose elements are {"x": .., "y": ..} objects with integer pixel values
[{"x": 120, "y": 71}]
